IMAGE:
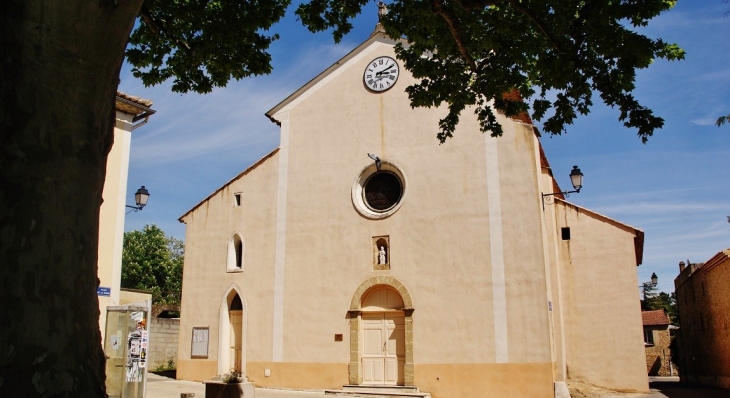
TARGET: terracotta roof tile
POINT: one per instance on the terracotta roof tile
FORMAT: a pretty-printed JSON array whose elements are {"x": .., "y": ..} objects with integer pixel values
[
  {"x": 133, "y": 105},
  {"x": 141, "y": 101},
  {"x": 653, "y": 318}
]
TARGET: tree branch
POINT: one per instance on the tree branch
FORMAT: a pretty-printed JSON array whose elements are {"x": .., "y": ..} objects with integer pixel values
[
  {"x": 149, "y": 21},
  {"x": 454, "y": 29},
  {"x": 152, "y": 23},
  {"x": 540, "y": 24}
]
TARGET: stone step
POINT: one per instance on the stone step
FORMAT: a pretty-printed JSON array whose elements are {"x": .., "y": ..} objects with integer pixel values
[
  {"x": 386, "y": 388},
  {"x": 355, "y": 391}
]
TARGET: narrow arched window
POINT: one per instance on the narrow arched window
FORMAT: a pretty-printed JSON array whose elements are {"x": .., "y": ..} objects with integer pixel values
[{"x": 234, "y": 261}]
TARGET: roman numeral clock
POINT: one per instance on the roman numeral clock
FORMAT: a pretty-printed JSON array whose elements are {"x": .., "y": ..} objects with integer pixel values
[{"x": 381, "y": 74}]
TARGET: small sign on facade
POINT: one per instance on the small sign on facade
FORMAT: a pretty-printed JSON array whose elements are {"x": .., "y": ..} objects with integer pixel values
[
  {"x": 103, "y": 291},
  {"x": 199, "y": 344}
]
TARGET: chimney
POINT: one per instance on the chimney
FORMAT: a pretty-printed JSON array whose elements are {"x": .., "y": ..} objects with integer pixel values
[{"x": 681, "y": 266}]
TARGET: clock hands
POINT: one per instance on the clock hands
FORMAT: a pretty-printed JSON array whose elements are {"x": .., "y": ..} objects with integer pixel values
[{"x": 385, "y": 71}]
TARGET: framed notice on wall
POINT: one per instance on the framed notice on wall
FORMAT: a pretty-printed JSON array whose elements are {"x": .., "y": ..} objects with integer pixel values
[{"x": 199, "y": 345}]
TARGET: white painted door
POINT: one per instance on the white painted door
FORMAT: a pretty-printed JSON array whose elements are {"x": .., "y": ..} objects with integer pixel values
[{"x": 383, "y": 354}]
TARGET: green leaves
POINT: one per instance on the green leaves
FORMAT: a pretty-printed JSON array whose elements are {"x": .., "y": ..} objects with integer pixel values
[
  {"x": 722, "y": 120},
  {"x": 154, "y": 262},
  {"x": 554, "y": 53},
  {"x": 202, "y": 44},
  {"x": 318, "y": 15}
]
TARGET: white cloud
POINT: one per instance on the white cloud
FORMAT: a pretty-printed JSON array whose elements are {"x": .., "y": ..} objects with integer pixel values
[
  {"x": 648, "y": 208},
  {"x": 705, "y": 121}
]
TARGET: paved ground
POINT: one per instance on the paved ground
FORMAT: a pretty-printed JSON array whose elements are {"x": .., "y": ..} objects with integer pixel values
[
  {"x": 163, "y": 387},
  {"x": 661, "y": 387},
  {"x": 671, "y": 388}
]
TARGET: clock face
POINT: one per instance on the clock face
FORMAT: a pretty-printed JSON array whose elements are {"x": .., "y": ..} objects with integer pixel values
[{"x": 381, "y": 74}]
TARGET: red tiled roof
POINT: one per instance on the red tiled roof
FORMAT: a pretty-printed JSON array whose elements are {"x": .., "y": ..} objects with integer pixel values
[
  {"x": 656, "y": 317},
  {"x": 514, "y": 95}
]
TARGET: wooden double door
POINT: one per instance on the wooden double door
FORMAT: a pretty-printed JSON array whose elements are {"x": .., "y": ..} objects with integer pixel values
[
  {"x": 236, "y": 317},
  {"x": 383, "y": 348}
]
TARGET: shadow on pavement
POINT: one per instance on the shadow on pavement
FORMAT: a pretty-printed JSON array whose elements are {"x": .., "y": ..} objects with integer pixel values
[
  {"x": 675, "y": 389},
  {"x": 170, "y": 374}
]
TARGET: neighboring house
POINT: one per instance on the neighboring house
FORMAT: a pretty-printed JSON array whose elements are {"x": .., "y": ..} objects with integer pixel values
[
  {"x": 131, "y": 113},
  {"x": 657, "y": 341},
  {"x": 703, "y": 299},
  {"x": 434, "y": 267}
]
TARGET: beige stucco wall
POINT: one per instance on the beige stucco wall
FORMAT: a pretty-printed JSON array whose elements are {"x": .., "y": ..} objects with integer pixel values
[
  {"x": 552, "y": 265},
  {"x": 601, "y": 309},
  {"x": 439, "y": 237},
  {"x": 205, "y": 279},
  {"x": 470, "y": 243},
  {"x": 127, "y": 296},
  {"x": 111, "y": 215}
]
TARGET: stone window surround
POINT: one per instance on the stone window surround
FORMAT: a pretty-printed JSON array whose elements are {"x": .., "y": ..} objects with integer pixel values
[
  {"x": 355, "y": 315},
  {"x": 232, "y": 254},
  {"x": 358, "y": 187}
]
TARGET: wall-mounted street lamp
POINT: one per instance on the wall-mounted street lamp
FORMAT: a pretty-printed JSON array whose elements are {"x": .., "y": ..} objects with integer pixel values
[
  {"x": 576, "y": 178},
  {"x": 654, "y": 279},
  {"x": 140, "y": 198}
]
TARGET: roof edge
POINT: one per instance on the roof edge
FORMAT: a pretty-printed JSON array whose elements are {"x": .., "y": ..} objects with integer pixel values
[
  {"x": 239, "y": 175},
  {"x": 376, "y": 36},
  {"x": 133, "y": 105},
  {"x": 638, "y": 234},
  {"x": 545, "y": 164},
  {"x": 716, "y": 260},
  {"x": 652, "y": 318}
]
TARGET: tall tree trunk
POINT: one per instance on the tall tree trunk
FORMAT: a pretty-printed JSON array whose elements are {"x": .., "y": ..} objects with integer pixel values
[{"x": 59, "y": 70}]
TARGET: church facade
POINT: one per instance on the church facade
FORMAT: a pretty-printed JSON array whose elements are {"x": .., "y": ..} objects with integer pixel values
[{"x": 361, "y": 252}]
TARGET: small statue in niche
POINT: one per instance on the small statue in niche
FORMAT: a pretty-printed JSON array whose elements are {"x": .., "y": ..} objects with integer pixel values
[{"x": 381, "y": 256}]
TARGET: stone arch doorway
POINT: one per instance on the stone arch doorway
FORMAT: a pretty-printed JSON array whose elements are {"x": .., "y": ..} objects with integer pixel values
[
  {"x": 381, "y": 315},
  {"x": 232, "y": 333}
]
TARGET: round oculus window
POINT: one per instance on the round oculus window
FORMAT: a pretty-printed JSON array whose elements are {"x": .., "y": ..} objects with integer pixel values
[
  {"x": 382, "y": 191},
  {"x": 377, "y": 194}
]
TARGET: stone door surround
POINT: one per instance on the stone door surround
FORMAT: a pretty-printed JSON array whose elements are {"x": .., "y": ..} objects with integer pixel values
[{"x": 355, "y": 313}]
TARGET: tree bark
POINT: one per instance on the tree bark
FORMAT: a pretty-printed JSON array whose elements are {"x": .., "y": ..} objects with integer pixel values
[{"x": 59, "y": 70}]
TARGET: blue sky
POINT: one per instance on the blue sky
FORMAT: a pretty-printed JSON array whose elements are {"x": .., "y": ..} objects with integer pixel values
[{"x": 676, "y": 188}]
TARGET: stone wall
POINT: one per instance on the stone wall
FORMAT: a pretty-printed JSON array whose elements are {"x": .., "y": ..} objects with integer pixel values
[
  {"x": 704, "y": 312},
  {"x": 163, "y": 341},
  {"x": 658, "y": 356}
]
